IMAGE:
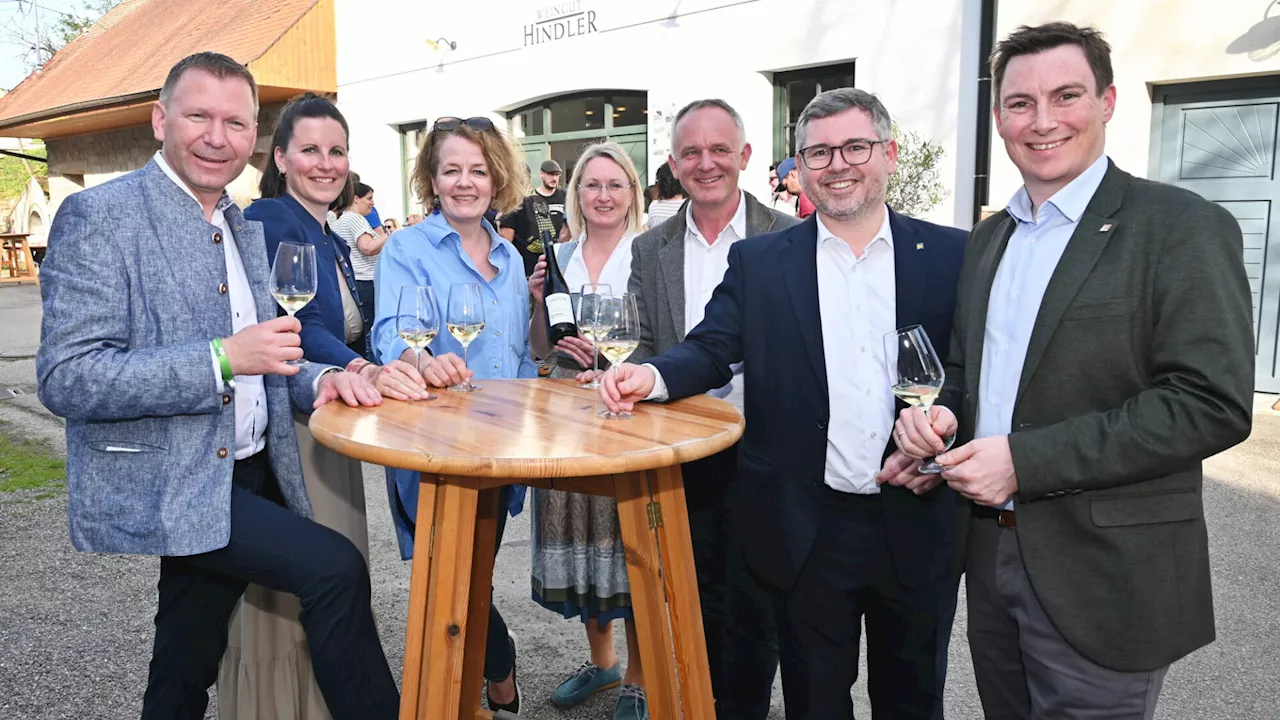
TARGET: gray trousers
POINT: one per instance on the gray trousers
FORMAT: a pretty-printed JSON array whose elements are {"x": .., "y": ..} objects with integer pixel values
[{"x": 1024, "y": 667}]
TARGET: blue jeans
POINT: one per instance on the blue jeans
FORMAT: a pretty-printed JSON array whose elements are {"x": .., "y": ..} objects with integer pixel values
[{"x": 273, "y": 547}]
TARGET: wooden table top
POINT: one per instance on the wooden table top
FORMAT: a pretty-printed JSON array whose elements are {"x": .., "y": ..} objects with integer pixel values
[{"x": 527, "y": 429}]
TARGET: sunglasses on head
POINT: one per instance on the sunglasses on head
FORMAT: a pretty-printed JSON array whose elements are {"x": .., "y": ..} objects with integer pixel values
[{"x": 449, "y": 124}]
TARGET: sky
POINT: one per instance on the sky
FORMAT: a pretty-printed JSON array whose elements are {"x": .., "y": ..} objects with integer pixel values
[{"x": 13, "y": 16}]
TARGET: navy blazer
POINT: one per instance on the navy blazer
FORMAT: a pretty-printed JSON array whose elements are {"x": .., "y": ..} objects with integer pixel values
[
  {"x": 323, "y": 323},
  {"x": 766, "y": 313}
]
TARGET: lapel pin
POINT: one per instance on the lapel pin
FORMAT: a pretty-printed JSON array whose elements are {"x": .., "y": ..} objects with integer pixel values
[
  {"x": 919, "y": 246},
  {"x": 1105, "y": 228}
]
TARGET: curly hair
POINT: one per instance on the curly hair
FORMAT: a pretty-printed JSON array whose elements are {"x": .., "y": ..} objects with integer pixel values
[{"x": 505, "y": 161}]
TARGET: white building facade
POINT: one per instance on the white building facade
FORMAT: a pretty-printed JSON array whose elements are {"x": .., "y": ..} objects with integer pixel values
[{"x": 560, "y": 75}]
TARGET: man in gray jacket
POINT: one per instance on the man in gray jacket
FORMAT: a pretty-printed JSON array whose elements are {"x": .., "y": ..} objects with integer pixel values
[
  {"x": 178, "y": 401},
  {"x": 674, "y": 269}
]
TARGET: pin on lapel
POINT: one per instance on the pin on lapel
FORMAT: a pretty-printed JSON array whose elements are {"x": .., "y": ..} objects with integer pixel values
[
  {"x": 919, "y": 246},
  {"x": 1105, "y": 228}
]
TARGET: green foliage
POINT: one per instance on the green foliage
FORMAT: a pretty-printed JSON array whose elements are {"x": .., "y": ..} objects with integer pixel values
[
  {"x": 72, "y": 25},
  {"x": 13, "y": 175},
  {"x": 27, "y": 465},
  {"x": 916, "y": 187}
]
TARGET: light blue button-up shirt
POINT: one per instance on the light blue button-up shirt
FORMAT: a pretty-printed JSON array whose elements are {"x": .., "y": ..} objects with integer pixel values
[
  {"x": 430, "y": 253},
  {"x": 1034, "y": 249}
]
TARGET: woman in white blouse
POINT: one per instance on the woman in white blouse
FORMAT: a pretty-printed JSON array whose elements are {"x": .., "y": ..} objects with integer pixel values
[{"x": 579, "y": 568}]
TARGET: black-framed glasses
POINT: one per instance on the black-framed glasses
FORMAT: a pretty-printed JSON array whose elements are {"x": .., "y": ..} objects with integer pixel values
[
  {"x": 449, "y": 124},
  {"x": 854, "y": 152}
]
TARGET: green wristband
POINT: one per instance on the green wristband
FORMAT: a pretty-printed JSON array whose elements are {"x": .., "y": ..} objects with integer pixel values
[{"x": 224, "y": 362}]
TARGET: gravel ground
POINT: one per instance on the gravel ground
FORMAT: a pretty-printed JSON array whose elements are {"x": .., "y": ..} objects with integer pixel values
[{"x": 75, "y": 628}]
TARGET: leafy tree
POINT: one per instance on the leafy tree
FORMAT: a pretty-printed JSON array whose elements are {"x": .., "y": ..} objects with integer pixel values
[
  {"x": 916, "y": 187},
  {"x": 44, "y": 36}
]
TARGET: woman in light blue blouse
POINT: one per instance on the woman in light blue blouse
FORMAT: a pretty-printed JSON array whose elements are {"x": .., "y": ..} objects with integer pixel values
[{"x": 466, "y": 168}]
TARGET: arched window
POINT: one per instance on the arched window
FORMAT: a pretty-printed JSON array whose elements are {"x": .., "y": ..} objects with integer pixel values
[{"x": 559, "y": 128}]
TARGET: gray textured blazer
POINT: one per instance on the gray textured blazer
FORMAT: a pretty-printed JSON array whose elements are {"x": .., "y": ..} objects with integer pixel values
[
  {"x": 1140, "y": 366},
  {"x": 131, "y": 289},
  {"x": 657, "y": 274}
]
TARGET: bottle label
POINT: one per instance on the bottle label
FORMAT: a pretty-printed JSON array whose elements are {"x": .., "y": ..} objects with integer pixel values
[{"x": 559, "y": 309}]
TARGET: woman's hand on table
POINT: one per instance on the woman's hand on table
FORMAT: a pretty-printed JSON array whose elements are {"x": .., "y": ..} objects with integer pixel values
[
  {"x": 587, "y": 376},
  {"x": 580, "y": 349},
  {"x": 538, "y": 278},
  {"x": 400, "y": 380},
  {"x": 445, "y": 370}
]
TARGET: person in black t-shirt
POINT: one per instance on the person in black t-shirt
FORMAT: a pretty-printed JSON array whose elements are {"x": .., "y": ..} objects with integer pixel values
[{"x": 521, "y": 225}]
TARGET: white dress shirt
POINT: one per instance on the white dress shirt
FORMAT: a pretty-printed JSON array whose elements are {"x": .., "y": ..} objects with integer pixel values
[
  {"x": 1034, "y": 249},
  {"x": 616, "y": 272},
  {"x": 857, "y": 301},
  {"x": 705, "y": 264},
  {"x": 858, "y": 304},
  {"x": 250, "y": 394}
]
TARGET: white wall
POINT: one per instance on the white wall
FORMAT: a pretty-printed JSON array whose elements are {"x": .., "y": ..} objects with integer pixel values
[
  {"x": 387, "y": 73},
  {"x": 1153, "y": 42}
]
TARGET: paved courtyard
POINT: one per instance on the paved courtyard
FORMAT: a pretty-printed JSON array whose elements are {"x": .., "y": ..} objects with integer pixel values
[{"x": 75, "y": 628}]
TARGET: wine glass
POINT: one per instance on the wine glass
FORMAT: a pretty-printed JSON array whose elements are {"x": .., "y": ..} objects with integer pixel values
[
  {"x": 418, "y": 321},
  {"x": 465, "y": 320},
  {"x": 293, "y": 280},
  {"x": 588, "y": 314},
  {"x": 620, "y": 322},
  {"x": 916, "y": 375}
]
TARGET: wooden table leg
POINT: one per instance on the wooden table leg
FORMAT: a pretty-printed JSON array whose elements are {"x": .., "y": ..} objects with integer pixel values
[
  {"x": 419, "y": 586},
  {"x": 647, "y": 598},
  {"x": 448, "y": 599},
  {"x": 681, "y": 581},
  {"x": 477, "y": 621}
]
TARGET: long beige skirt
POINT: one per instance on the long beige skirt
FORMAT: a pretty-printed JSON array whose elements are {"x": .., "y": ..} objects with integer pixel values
[{"x": 266, "y": 673}]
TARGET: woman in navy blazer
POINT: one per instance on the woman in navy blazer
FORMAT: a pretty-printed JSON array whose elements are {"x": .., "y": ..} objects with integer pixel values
[{"x": 306, "y": 174}]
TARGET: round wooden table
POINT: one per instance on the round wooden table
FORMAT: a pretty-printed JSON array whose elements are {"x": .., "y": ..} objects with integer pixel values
[{"x": 542, "y": 433}]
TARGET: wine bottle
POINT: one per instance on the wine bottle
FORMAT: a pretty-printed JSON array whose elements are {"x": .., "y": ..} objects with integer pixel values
[{"x": 555, "y": 291}]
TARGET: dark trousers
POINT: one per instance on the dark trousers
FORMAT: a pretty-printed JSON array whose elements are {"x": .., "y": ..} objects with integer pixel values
[
  {"x": 499, "y": 656},
  {"x": 738, "y": 612},
  {"x": 850, "y": 575},
  {"x": 364, "y": 292},
  {"x": 1023, "y": 666},
  {"x": 273, "y": 547}
]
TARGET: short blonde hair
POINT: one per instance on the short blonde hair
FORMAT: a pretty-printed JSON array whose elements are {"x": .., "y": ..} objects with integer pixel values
[
  {"x": 614, "y": 152},
  {"x": 505, "y": 161}
]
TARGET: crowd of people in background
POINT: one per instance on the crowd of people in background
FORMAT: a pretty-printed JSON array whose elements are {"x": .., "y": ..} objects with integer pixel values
[{"x": 1096, "y": 335}]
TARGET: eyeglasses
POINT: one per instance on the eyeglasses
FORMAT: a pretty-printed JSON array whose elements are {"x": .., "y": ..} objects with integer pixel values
[
  {"x": 449, "y": 124},
  {"x": 613, "y": 188},
  {"x": 854, "y": 152}
]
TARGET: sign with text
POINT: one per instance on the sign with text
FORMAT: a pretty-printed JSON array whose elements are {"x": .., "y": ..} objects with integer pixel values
[{"x": 560, "y": 21}]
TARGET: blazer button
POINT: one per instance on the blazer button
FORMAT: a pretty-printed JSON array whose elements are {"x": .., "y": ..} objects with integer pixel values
[
  {"x": 222, "y": 453},
  {"x": 222, "y": 289},
  {"x": 226, "y": 399},
  {"x": 822, "y": 426},
  {"x": 217, "y": 238}
]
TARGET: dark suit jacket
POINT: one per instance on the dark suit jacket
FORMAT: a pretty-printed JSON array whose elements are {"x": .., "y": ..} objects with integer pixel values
[
  {"x": 1140, "y": 365},
  {"x": 323, "y": 323},
  {"x": 766, "y": 313}
]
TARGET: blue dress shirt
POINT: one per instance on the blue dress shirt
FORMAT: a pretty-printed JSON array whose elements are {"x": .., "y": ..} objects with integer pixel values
[
  {"x": 430, "y": 253},
  {"x": 323, "y": 323},
  {"x": 1038, "y": 241}
]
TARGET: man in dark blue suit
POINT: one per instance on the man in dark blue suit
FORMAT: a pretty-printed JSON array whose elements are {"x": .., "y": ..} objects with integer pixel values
[{"x": 807, "y": 309}]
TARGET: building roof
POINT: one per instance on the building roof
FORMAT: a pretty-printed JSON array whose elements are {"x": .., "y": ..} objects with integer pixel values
[{"x": 126, "y": 55}]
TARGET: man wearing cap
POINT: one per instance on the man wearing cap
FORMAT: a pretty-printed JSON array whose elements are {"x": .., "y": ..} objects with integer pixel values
[
  {"x": 789, "y": 180},
  {"x": 521, "y": 225}
]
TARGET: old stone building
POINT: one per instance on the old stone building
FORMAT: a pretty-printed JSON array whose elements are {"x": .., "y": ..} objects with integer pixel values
[{"x": 92, "y": 102}]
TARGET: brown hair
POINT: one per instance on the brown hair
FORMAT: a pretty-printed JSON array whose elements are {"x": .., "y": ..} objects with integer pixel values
[
  {"x": 217, "y": 65},
  {"x": 1028, "y": 40},
  {"x": 506, "y": 166},
  {"x": 306, "y": 105}
]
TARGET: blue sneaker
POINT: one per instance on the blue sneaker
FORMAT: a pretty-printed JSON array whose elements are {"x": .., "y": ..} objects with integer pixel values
[
  {"x": 632, "y": 704},
  {"x": 585, "y": 682}
]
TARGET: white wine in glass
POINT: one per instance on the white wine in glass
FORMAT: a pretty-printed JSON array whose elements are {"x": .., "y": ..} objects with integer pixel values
[
  {"x": 916, "y": 376},
  {"x": 293, "y": 279},
  {"x": 588, "y": 323},
  {"x": 418, "y": 321},
  {"x": 620, "y": 316},
  {"x": 465, "y": 319}
]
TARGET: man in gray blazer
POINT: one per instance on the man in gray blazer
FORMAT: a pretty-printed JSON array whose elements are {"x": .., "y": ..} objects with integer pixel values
[
  {"x": 180, "y": 439},
  {"x": 1102, "y": 348},
  {"x": 674, "y": 269}
]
